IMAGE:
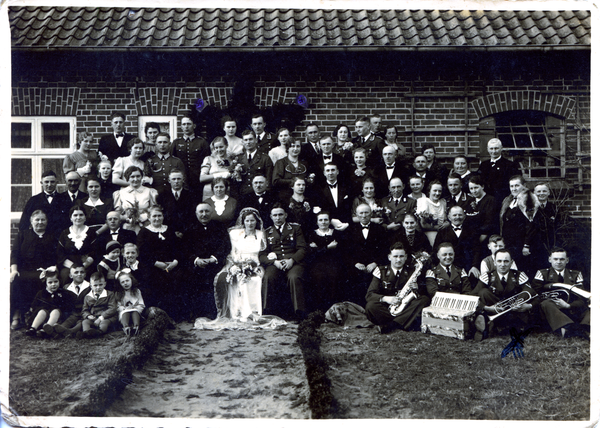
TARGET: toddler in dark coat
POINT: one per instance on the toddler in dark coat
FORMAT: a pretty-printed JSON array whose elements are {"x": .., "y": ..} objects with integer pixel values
[{"x": 99, "y": 308}]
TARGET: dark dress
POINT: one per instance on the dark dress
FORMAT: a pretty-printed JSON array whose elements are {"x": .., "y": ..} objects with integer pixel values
[
  {"x": 29, "y": 253},
  {"x": 283, "y": 173},
  {"x": 228, "y": 216},
  {"x": 96, "y": 215},
  {"x": 301, "y": 213},
  {"x": 107, "y": 187},
  {"x": 163, "y": 288},
  {"x": 67, "y": 250},
  {"x": 324, "y": 267}
]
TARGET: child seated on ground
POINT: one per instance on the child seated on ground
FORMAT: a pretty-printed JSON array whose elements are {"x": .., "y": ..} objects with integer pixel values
[
  {"x": 99, "y": 308},
  {"x": 111, "y": 263},
  {"x": 495, "y": 243},
  {"x": 49, "y": 304},
  {"x": 130, "y": 303},
  {"x": 81, "y": 288}
]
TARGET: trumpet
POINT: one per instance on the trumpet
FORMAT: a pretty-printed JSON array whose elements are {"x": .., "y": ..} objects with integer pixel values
[
  {"x": 511, "y": 303},
  {"x": 555, "y": 294}
]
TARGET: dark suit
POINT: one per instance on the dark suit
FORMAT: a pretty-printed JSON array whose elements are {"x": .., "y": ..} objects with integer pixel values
[
  {"x": 289, "y": 244},
  {"x": 382, "y": 181},
  {"x": 579, "y": 311},
  {"x": 317, "y": 166},
  {"x": 109, "y": 147},
  {"x": 262, "y": 203},
  {"x": 57, "y": 212},
  {"x": 496, "y": 177},
  {"x": 309, "y": 154},
  {"x": 179, "y": 214},
  {"x": 373, "y": 145},
  {"x": 483, "y": 215},
  {"x": 260, "y": 164},
  {"x": 124, "y": 236},
  {"x": 385, "y": 283},
  {"x": 79, "y": 198},
  {"x": 203, "y": 242},
  {"x": 467, "y": 252},
  {"x": 266, "y": 143},
  {"x": 437, "y": 279},
  {"x": 324, "y": 199}
]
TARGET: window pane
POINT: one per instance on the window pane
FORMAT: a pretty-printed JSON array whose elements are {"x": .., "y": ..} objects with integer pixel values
[
  {"x": 55, "y": 135},
  {"x": 56, "y": 166},
  {"x": 20, "y": 135},
  {"x": 19, "y": 195},
  {"x": 20, "y": 171}
]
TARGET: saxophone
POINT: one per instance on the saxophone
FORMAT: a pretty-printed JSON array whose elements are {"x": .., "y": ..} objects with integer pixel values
[{"x": 406, "y": 294}]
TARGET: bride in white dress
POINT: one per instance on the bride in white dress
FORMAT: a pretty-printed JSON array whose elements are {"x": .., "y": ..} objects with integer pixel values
[{"x": 238, "y": 285}]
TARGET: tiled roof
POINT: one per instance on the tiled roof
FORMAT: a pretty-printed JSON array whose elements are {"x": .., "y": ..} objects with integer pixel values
[{"x": 73, "y": 27}]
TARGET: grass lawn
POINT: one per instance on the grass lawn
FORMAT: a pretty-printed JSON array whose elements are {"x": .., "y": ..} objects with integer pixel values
[{"x": 423, "y": 376}]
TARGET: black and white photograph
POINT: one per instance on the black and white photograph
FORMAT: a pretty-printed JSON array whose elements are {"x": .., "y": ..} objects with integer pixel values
[{"x": 297, "y": 212}]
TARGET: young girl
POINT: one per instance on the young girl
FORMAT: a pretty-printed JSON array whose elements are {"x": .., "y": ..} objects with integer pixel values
[
  {"x": 130, "y": 303},
  {"x": 49, "y": 304},
  {"x": 111, "y": 263}
]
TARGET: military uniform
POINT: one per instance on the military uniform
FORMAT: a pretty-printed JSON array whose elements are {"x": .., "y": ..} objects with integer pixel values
[
  {"x": 579, "y": 311},
  {"x": 398, "y": 209},
  {"x": 437, "y": 279},
  {"x": 160, "y": 167},
  {"x": 192, "y": 153},
  {"x": 386, "y": 283},
  {"x": 289, "y": 243},
  {"x": 266, "y": 143}
]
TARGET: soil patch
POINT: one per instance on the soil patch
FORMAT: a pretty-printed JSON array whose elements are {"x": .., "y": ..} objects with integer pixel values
[{"x": 220, "y": 374}]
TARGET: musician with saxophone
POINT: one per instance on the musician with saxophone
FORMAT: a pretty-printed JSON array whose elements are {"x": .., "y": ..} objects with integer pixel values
[
  {"x": 396, "y": 287},
  {"x": 506, "y": 296},
  {"x": 564, "y": 308}
]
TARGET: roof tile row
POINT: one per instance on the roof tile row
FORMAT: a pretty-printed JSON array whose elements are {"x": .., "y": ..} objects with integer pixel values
[{"x": 148, "y": 27}]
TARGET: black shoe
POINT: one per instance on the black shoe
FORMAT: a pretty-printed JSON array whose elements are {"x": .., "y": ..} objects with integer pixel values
[
  {"x": 41, "y": 334},
  {"x": 388, "y": 328},
  {"x": 31, "y": 331},
  {"x": 482, "y": 326}
]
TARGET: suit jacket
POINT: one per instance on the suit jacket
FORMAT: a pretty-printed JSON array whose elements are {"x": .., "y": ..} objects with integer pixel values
[
  {"x": 179, "y": 214},
  {"x": 308, "y": 153},
  {"x": 516, "y": 282},
  {"x": 496, "y": 177},
  {"x": 366, "y": 251},
  {"x": 323, "y": 199},
  {"x": 263, "y": 206},
  {"x": 204, "y": 242},
  {"x": 467, "y": 252},
  {"x": 260, "y": 164},
  {"x": 81, "y": 197},
  {"x": 109, "y": 147},
  {"x": 266, "y": 143},
  {"x": 386, "y": 283},
  {"x": 57, "y": 212},
  {"x": 483, "y": 215},
  {"x": 382, "y": 181},
  {"x": 290, "y": 244},
  {"x": 105, "y": 305},
  {"x": 398, "y": 211},
  {"x": 374, "y": 145},
  {"x": 464, "y": 201},
  {"x": 317, "y": 166},
  {"x": 437, "y": 279},
  {"x": 124, "y": 236}
]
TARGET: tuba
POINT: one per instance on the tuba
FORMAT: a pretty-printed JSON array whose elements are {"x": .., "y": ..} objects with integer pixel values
[
  {"x": 406, "y": 294},
  {"x": 511, "y": 303}
]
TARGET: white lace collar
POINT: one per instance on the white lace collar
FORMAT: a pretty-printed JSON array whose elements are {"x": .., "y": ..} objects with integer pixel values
[
  {"x": 219, "y": 204},
  {"x": 78, "y": 238},
  {"x": 328, "y": 233}
]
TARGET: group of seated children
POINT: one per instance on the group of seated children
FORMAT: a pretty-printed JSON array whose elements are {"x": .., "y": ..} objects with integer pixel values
[{"x": 88, "y": 309}]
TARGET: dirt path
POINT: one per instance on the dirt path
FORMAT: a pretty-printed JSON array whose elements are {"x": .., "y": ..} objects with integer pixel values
[{"x": 220, "y": 374}]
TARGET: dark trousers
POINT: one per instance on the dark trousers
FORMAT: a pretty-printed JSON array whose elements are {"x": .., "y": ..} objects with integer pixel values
[
  {"x": 558, "y": 318},
  {"x": 278, "y": 285},
  {"x": 379, "y": 312}
]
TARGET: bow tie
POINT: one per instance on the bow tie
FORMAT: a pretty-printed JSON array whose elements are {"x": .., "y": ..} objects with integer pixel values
[
  {"x": 365, "y": 227},
  {"x": 327, "y": 157},
  {"x": 457, "y": 228},
  {"x": 389, "y": 167},
  {"x": 120, "y": 134},
  {"x": 333, "y": 186},
  {"x": 50, "y": 195}
]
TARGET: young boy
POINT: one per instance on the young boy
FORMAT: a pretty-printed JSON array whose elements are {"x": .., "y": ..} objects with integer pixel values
[
  {"x": 387, "y": 281},
  {"x": 99, "y": 308},
  {"x": 446, "y": 277},
  {"x": 130, "y": 255},
  {"x": 111, "y": 263},
  {"x": 570, "y": 317},
  {"x": 81, "y": 288},
  {"x": 495, "y": 243},
  {"x": 163, "y": 162}
]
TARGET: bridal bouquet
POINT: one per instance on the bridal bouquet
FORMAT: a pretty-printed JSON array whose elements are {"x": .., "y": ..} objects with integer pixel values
[{"x": 244, "y": 270}]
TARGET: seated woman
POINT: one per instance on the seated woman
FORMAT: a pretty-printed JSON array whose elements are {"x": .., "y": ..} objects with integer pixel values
[
  {"x": 432, "y": 211},
  {"x": 286, "y": 169},
  {"x": 223, "y": 206},
  {"x": 412, "y": 238},
  {"x": 34, "y": 249},
  {"x": 219, "y": 164},
  {"x": 300, "y": 210},
  {"x": 324, "y": 263},
  {"x": 368, "y": 197},
  {"x": 95, "y": 207},
  {"x": 234, "y": 143},
  {"x": 238, "y": 286},
  {"x": 136, "y": 149},
  {"x": 84, "y": 160},
  {"x": 75, "y": 245},
  {"x": 284, "y": 137},
  {"x": 135, "y": 200},
  {"x": 108, "y": 188}
]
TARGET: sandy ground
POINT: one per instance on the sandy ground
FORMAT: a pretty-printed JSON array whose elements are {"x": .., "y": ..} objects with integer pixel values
[{"x": 220, "y": 374}]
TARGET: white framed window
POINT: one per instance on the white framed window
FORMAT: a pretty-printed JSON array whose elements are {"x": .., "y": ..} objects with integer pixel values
[
  {"x": 166, "y": 124},
  {"x": 38, "y": 144}
]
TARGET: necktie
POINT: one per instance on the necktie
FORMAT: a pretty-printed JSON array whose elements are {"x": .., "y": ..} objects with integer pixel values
[
  {"x": 176, "y": 195},
  {"x": 97, "y": 296},
  {"x": 411, "y": 239},
  {"x": 77, "y": 288},
  {"x": 72, "y": 195},
  {"x": 449, "y": 270},
  {"x": 120, "y": 134},
  {"x": 362, "y": 139},
  {"x": 249, "y": 158},
  {"x": 503, "y": 282},
  {"x": 561, "y": 278},
  {"x": 396, "y": 202}
]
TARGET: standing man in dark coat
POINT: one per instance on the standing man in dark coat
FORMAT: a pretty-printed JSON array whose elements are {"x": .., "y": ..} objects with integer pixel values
[
  {"x": 55, "y": 205},
  {"x": 191, "y": 150},
  {"x": 334, "y": 195},
  {"x": 283, "y": 257},
  {"x": 260, "y": 198},
  {"x": 254, "y": 163},
  {"x": 497, "y": 171},
  {"x": 179, "y": 204},
  {"x": 388, "y": 169},
  {"x": 114, "y": 145},
  {"x": 311, "y": 150},
  {"x": 208, "y": 245},
  {"x": 368, "y": 141},
  {"x": 265, "y": 141}
]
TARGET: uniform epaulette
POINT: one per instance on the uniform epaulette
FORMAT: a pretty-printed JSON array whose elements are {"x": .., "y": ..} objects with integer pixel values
[{"x": 377, "y": 273}]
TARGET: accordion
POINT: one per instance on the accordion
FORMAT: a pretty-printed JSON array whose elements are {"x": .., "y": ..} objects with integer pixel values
[{"x": 449, "y": 315}]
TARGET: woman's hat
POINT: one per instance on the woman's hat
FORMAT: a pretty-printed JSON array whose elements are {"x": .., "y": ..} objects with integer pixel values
[{"x": 113, "y": 245}]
